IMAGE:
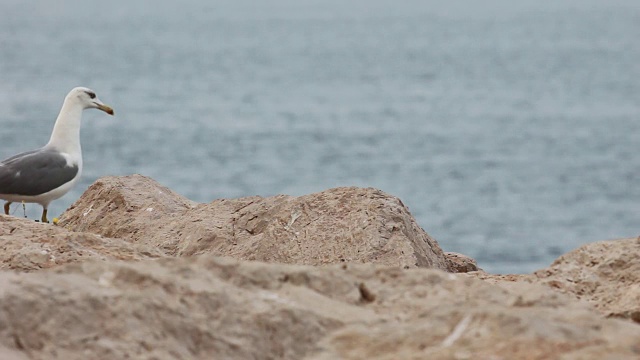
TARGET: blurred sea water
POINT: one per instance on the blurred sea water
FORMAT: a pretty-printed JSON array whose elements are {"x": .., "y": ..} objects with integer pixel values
[{"x": 510, "y": 129}]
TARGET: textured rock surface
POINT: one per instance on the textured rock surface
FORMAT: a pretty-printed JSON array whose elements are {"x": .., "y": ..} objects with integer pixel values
[
  {"x": 606, "y": 274},
  {"x": 208, "y": 307},
  {"x": 461, "y": 263},
  {"x": 69, "y": 295},
  {"x": 333, "y": 226},
  {"x": 26, "y": 246}
]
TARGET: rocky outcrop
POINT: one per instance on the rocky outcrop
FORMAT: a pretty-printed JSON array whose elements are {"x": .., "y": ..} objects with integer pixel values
[
  {"x": 28, "y": 246},
  {"x": 333, "y": 226},
  {"x": 208, "y": 307},
  {"x": 461, "y": 263},
  {"x": 606, "y": 274},
  {"x": 134, "y": 271}
]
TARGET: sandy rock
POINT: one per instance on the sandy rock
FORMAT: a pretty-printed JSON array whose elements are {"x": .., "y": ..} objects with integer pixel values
[
  {"x": 207, "y": 307},
  {"x": 27, "y": 246},
  {"x": 338, "y": 225},
  {"x": 119, "y": 207},
  {"x": 606, "y": 274},
  {"x": 174, "y": 299},
  {"x": 461, "y": 263},
  {"x": 12, "y": 354}
]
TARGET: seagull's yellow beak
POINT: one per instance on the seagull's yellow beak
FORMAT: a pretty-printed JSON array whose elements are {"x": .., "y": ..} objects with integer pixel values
[{"x": 105, "y": 108}]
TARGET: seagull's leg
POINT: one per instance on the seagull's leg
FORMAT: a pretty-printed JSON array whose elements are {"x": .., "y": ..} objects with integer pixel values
[
  {"x": 6, "y": 207},
  {"x": 44, "y": 215}
]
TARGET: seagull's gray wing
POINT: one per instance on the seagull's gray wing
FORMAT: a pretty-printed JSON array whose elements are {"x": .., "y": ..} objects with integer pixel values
[{"x": 35, "y": 172}]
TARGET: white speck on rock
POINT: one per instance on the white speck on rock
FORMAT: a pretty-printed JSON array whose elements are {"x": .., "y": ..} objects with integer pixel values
[
  {"x": 106, "y": 279},
  {"x": 88, "y": 211}
]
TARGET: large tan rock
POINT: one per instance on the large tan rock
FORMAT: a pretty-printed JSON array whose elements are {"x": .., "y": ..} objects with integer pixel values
[
  {"x": 26, "y": 245},
  {"x": 606, "y": 274},
  {"x": 173, "y": 299},
  {"x": 207, "y": 307},
  {"x": 333, "y": 226}
]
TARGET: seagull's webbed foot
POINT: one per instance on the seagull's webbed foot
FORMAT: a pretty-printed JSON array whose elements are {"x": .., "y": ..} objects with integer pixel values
[{"x": 6, "y": 207}]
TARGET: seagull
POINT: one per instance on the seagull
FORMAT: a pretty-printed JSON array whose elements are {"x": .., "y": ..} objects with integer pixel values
[{"x": 46, "y": 174}]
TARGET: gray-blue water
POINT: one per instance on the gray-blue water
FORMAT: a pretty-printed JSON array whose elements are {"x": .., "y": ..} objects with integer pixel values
[{"x": 510, "y": 129}]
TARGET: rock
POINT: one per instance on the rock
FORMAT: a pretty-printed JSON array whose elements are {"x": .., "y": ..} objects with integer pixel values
[
  {"x": 461, "y": 263},
  {"x": 338, "y": 225},
  {"x": 119, "y": 207},
  {"x": 27, "y": 245},
  {"x": 380, "y": 294},
  {"x": 207, "y": 307},
  {"x": 12, "y": 354},
  {"x": 606, "y": 274}
]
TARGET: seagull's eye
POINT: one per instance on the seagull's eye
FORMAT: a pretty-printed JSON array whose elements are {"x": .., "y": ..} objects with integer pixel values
[{"x": 91, "y": 95}]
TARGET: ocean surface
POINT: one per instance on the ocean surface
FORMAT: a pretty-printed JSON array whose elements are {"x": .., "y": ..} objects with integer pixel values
[{"x": 511, "y": 129}]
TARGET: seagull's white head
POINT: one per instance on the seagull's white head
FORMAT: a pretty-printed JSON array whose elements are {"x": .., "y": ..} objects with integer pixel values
[{"x": 87, "y": 99}]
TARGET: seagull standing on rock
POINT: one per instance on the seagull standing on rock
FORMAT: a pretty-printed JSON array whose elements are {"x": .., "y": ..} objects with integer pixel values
[{"x": 46, "y": 174}]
